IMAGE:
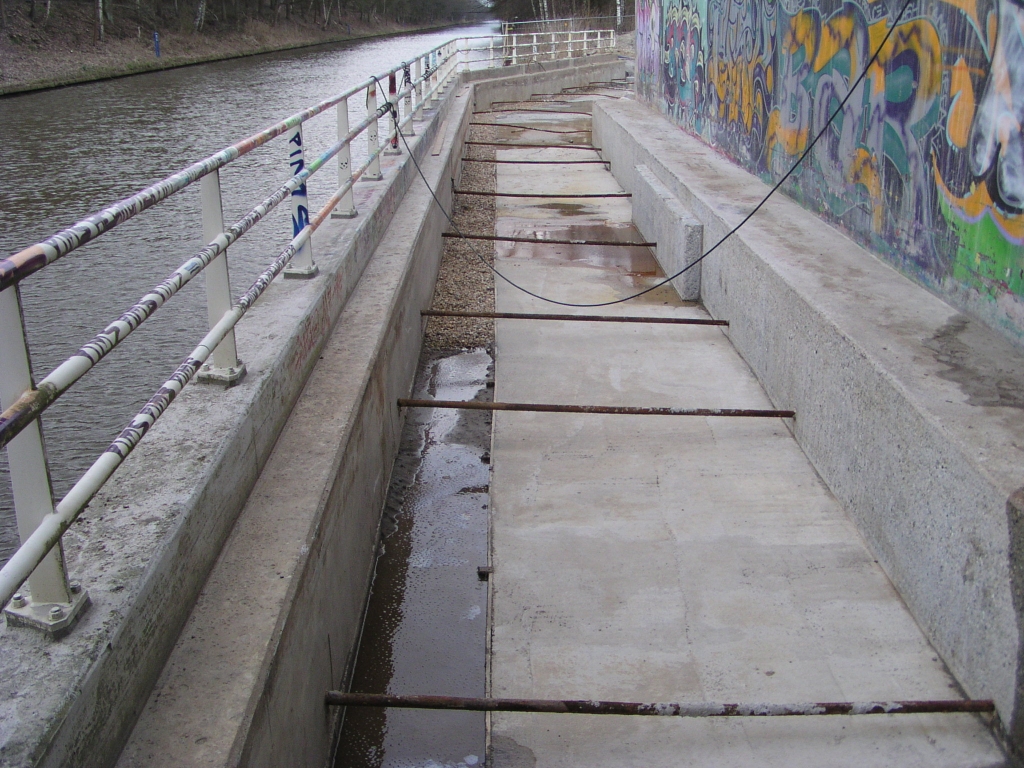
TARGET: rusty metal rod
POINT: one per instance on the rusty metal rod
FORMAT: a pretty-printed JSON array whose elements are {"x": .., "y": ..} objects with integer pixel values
[
  {"x": 537, "y": 162},
  {"x": 617, "y": 410},
  {"x": 667, "y": 709},
  {"x": 527, "y": 101},
  {"x": 546, "y": 242},
  {"x": 540, "y": 111},
  {"x": 520, "y": 194},
  {"x": 508, "y": 145},
  {"x": 581, "y": 318},
  {"x": 527, "y": 127}
]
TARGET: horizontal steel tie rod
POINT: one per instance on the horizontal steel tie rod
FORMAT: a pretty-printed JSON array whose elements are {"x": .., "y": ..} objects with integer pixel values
[
  {"x": 521, "y": 194},
  {"x": 581, "y": 318},
  {"x": 668, "y": 709},
  {"x": 540, "y": 111},
  {"x": 537, "y": 162},
  {"x": 527, "y": 128},
  {"x": 498, "y": 238},
  {"x": 617, "y": 410},
  {"x": 509, "y": 145}
]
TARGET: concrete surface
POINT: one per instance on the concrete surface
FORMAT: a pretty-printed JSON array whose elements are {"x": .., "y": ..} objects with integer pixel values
[
  {"x": 667, "y": 558},
  {"x": 909, "y": 410},
  {"x": 661, "y": 219}
]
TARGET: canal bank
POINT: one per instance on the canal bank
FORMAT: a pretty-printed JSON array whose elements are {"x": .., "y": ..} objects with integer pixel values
[{"x": 30, "y": 63}]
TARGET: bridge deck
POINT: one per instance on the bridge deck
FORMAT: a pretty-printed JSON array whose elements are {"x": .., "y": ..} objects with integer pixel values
[{"x": 646, "y": 558}]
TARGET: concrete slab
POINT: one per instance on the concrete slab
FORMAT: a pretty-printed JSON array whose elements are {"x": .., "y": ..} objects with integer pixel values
[
  {"x": 672, "y": 558},
  {"x": 910, "y": 410}
]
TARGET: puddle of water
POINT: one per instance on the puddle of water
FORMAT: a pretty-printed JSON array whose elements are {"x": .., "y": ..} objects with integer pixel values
[
  {"x": 424, "y": 631},
  {"x": 637, "y": 263}
]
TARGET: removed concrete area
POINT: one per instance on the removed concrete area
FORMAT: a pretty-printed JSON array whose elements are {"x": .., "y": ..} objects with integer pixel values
[{"x": 670, "y": 558}]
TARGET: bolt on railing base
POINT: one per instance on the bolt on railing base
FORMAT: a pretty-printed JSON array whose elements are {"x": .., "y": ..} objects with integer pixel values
[
  {"x": 226, "y": 376},
  {"x": 53, "y": 619},
  {"x": 301, "y": 273}
]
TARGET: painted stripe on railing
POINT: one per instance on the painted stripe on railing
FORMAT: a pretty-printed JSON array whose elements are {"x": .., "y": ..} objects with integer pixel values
[
  {"x": 15, "y": 268},
  {"x": 31, "y": 404},
  {"x": 47, "y": 535}
]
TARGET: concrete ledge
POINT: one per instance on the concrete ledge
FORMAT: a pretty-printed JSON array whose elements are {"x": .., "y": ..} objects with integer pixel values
[
  {"x": 524, "y": 80},
  {"x": 909, "y": 410},
  {"x": 660, "y": 218},
  {"x": 146, "y": 544}
]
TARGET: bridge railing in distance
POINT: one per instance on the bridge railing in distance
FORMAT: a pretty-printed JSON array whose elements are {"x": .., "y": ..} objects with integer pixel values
[{"x": 34, "y": 585}]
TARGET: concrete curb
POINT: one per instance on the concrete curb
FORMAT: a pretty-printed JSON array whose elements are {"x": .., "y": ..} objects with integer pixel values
[
  {"x": 897, "y": 395},
  {"x": 661, "y": 219}
]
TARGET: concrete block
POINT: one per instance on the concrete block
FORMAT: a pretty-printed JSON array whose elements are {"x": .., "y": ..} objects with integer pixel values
[
  {"x": 908, "y": 409},
  {"x": 662, "y": 219}
]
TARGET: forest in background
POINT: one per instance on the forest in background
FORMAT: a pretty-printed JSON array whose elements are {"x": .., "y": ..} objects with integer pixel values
[
  {"x": 581, "y": 10},
  {"x": 131, "y": 17}
]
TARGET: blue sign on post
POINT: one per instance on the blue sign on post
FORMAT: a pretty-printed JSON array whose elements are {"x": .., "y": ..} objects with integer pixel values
[{"x": 156, "y": 44}]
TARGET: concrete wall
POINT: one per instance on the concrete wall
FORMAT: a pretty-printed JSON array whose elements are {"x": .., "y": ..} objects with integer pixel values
[
  {"x": 925, "y": 165},
  {"x": 909, "y": 410}
]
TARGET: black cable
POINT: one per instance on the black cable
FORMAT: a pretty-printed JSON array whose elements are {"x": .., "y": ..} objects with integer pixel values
[{"x": 725, "y": 237}]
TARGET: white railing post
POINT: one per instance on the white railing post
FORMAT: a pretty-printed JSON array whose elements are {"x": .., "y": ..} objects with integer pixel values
[
  {"x": 301, "y": 266},
  {"x": 223, "y": 366},
  {"x": 373, "y": 169},
  {"x": 515, "y": 51},
  {"x": 407, "y": 83},
  {"x": 432, "y": 82},
  {"x": 346, "y": 206},
  {"x": 391, "y": 146},
  {"x": 419, "y": 89},
  {"x": 49, "y": 603},
  {"x": 535, "y": 47},
  {"x": 490, "y": 53}
]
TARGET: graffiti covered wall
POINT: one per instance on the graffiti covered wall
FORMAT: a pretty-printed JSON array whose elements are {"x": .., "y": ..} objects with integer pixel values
[{"x": 924, "y": 164}]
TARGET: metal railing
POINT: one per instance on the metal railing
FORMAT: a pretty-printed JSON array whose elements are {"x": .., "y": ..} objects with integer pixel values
[
  {"x": 622, "y": 21},
  {"x": 51, "y": 602}
]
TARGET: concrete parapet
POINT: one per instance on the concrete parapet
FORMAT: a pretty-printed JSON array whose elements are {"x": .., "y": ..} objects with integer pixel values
[
  {"x": 909, "y": 410},
  {"x": 522, "y": 81},
  {"x": 660, "y": 218}
]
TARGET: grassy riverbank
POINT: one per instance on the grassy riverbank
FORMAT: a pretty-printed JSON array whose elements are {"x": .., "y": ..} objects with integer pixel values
[{"x": 63, "y": 50}]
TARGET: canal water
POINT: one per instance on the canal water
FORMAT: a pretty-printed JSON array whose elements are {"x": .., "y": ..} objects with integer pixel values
[{"x": 70, "y": 152}]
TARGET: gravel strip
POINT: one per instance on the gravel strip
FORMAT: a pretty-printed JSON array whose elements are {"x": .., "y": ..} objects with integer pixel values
[{"x": 463, "y": 282}]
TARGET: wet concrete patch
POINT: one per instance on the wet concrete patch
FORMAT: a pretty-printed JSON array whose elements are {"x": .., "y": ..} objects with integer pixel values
[
  {"x": 956, "y": 345},
  {"x": 424, "y": 631}
]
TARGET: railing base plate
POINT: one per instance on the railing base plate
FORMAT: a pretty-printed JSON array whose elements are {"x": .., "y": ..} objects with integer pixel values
[
  {"x": 301, "y": 273},
  {"x": 38, "y": 615},
  {"x": 345, "y": 214},
  {"x": 226, "y": 376}
]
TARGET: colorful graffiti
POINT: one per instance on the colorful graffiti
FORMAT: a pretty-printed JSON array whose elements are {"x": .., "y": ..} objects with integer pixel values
[
  {"x": 925, "y": 162},
  {"x": 648, "y": 48}
]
